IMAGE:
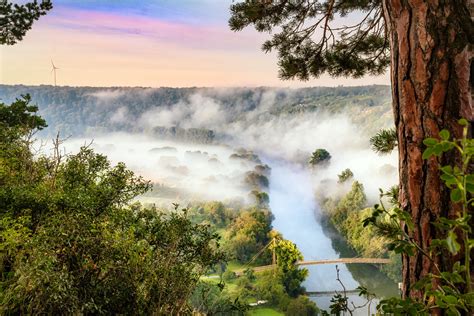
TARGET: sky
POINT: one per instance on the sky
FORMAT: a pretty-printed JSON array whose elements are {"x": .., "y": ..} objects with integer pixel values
[{"x": 152, "y": 43}]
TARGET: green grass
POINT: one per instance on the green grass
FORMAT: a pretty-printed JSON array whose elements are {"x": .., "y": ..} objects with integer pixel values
[
  {"x": 230, "y": 286},
  {"x": 264, "y": 311}
]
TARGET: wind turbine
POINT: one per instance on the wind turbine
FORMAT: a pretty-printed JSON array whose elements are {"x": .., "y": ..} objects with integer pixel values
[{"x": 53, "y": 70}]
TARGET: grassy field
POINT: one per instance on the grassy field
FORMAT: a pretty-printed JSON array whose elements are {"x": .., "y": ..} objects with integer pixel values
[
  {"x": 231, "y": 286},
  {"x": 264, "y": 311}
]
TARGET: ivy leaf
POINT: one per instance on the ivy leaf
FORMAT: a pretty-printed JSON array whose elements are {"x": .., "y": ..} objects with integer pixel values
[{"x": 451, "y": 242}]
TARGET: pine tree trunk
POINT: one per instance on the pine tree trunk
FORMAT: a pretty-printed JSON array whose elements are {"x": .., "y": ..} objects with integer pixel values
[{"x": 431, "y": 90}]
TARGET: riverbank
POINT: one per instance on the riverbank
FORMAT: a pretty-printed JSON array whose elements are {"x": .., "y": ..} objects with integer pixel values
[
  {"x": 345, "y": 215},
  {"x": 296, "y": 216}
]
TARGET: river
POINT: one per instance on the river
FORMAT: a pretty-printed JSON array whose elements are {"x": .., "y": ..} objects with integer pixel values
[{"x": 295, "y": 209}]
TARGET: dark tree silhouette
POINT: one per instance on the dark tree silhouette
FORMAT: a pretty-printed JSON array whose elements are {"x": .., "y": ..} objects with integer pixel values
[{"x": 17, "y": 19}]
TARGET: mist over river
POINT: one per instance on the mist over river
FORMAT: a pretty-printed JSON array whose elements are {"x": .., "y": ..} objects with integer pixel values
[
  {"x": 205, "y": 172},
  {"x": 296, "y": 217},
  {"x": 292, "y": 202}
]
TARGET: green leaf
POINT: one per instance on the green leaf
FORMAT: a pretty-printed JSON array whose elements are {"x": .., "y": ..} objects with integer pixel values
[
  {"x": 471, "y": 243},
  {"x": 457, "y": 278},
  {"x": 444, "y": 134},
  {"x": 430, "y": 141},
  {"x": 458, "y": 267},
  {"x": 469, "y": 298},
  {"x": 447, "y": 146},
  {"x": 438, "y": 150},
  {"x": 428, "y": 153},
  {"x": 449, "y": 180},
  {"x": 470, "y": 187},
  {"x": 456, "y": 195},
  {"x": 447, "y": 169},
  {"x": 451, "y": 242},
  {"x": 450, "y": 299},
  {"x": 463, "y": 122},
  {"x": 452, "y": 311},
  {"x": 470, "y": 178}
]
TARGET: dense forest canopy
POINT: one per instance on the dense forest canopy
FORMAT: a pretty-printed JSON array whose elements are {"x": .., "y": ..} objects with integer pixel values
[{"x": 79, "y": 111}]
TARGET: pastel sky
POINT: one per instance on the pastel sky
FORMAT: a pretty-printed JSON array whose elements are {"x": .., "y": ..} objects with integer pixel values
[{"x": 148, "y": 43}]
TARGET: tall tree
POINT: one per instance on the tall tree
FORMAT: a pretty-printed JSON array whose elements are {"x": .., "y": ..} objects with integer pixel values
[
  {"x": 17, "y": 19},
  {"x": 428, "y": 45}
]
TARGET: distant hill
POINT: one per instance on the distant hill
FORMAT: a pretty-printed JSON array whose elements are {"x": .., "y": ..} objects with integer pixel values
[{"x": 81, "y": 111}]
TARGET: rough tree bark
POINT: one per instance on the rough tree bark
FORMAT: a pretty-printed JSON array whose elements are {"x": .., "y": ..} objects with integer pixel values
[{"x": 430, "y": 72}]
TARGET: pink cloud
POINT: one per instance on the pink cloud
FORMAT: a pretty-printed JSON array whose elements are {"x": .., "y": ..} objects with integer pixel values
[{"x": 181, "y": 34}]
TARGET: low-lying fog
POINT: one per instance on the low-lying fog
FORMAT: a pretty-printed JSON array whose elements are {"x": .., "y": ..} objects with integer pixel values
[
  {"x": 180, "y": 172},
  {"x": 193, "y": 171}
]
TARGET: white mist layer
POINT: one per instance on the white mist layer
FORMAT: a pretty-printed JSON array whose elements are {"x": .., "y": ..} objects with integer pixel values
[
  {"x": 197, "y": 172},
  {"x": 286, "y": 136}
]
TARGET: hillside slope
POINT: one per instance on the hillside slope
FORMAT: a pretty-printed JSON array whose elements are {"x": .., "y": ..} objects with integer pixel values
[{"x": 82, "y": 111}]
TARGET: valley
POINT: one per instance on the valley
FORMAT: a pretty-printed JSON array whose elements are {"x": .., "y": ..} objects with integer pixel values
[{"x": 244, "y": 149}]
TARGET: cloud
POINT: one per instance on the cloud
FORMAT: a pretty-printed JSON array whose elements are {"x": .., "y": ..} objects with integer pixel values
[{"x": 180, "y": 33}]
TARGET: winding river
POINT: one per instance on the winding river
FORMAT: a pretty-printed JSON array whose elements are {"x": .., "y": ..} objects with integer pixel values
[{"x": 295, "y": 210}]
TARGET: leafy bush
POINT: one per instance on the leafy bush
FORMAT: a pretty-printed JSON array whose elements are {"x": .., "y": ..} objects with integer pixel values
[
  {"x": 248, "y": 234},
  {"x": 301, "y": 306},
  {"x": 347, "y": 215},
  {"x": 210, "y": 299},
  {"x": 228, "y": 276},
  {"x": 72, "y": 241}
]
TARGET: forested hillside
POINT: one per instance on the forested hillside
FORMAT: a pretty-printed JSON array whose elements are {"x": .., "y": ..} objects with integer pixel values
[{"x": 83, "y": 111}]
